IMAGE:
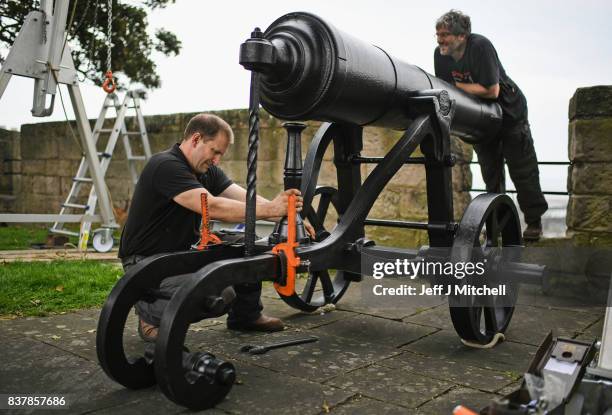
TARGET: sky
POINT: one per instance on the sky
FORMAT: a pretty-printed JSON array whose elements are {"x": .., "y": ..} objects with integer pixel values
[{"x": 548, "y": 48}]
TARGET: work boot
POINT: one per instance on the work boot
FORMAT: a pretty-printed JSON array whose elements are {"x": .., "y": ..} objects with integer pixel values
[
  {"x": 147, "y": 332},
  {"x": 532, "y": 232},
  {"x": 263, "y": 323}
]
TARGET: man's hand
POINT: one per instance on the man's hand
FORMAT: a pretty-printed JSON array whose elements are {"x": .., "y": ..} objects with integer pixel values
[
  {"x": 277, "y": 207},
  {"x": 310, "y": 230}
]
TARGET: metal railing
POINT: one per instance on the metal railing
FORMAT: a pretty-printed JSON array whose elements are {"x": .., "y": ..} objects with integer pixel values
[{"x": 543, "y": 163}]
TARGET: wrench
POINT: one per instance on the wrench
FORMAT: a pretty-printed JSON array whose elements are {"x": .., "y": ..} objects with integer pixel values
[{"x": 254, "y": 349}]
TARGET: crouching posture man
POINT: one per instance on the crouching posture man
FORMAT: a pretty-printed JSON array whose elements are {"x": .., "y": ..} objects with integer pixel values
[{"x": 165, "y": 216}]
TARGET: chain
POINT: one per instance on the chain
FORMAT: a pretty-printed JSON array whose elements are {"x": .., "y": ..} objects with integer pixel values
[
  {"x": 92, "y": 47},
  {"x": 109, "y": 34}
]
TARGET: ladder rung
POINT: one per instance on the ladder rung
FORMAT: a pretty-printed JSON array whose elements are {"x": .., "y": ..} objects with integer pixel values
[
  {"x": 74, "y": 206},
  {"x": 133, "y": 133},
  {"x": 82, "y": 179},
  {"x": 105, "y": 130},
  {"x": 64, "y": 232},
  {"x": 137, "y": 158}
]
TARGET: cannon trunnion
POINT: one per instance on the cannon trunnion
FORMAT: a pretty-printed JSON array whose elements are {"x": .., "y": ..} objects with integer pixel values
[{"x": 303, "y": 68}]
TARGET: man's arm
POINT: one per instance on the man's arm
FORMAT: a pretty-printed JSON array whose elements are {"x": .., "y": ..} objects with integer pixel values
[
  {"x": 236, "y": 192},
  {"x": 481, "y": 91},
  {"x": 229, "y": 210}
]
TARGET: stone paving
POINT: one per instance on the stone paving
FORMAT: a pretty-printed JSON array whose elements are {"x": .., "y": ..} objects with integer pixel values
[{"x": 370, "y": 359}]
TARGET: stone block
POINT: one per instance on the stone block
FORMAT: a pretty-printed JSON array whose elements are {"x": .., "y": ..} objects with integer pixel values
[
  {"x": 597, "y": 239},
  {"x": 118, "y": 168},
  {"x": 235, "y": 170},
  {"x": 272, "y": 145},
  {"x": 462, "y": 151},
  {"x": 590, "y": 213},
  {"x": 402, "y": 238},
  {"x": 591, "y": 101},
  {"x": 413, "y": 204},
  {"x": 168, "y": 123},
  {"x": 70, "y": 147},
  {"x": 10, "y": 143},
  {"x": 37, "y": 203},
  {"x": 590, "y": 139},
  {"x": 270, "y": 172},
  {"x": 39, "y": 148},
  {"x": 119, "y": 188},
  {"x": 10, "y": 167},
  {"x": 33, "y": 167},
  {"x": 461, "y": 200},
  {"x": 387, "y": 205},
  {"x": 410, "y": 176},
  {"x": 61, "y": 168},
  {"x": 240, "y": 148},
  {"x": 46, "y": 185},
  {"x": 590, "y": 178},
  {"x": 162, "y": 141},
  {"x": 462, "y": 177}
]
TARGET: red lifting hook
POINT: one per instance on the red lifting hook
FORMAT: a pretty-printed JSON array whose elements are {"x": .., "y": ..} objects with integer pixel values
[{"x": 109, "y": 85}]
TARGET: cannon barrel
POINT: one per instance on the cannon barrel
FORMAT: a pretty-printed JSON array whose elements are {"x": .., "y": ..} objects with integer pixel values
[{"x": 313, "y": 71}]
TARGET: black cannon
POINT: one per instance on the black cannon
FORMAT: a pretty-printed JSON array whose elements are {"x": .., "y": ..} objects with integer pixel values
[{"x": 305, "y": 69}]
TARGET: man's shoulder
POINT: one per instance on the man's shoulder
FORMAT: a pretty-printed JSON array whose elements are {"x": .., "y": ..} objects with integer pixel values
[{"x": 479, "y": 40}]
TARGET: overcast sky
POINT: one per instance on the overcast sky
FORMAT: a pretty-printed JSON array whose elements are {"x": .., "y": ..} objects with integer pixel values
[{"x": 549, "y": 48}]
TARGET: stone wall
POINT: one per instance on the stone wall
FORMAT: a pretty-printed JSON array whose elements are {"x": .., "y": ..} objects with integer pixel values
[
  {"x": 50, "y": 154},
  {"x": 589, "y": 213}
]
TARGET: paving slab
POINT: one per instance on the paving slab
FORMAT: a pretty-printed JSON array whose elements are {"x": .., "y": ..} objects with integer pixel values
[
  {"x": 330, "y": 356},
  {"x": 531, "y": 324},
  {"x": 298, "y": 319},
  {"x": 361, "y": 405},
  {"x": 505, "y": 357},
  {"x": 266, "y": 392},
  {"x": 359, "y": 298},
  {"x": 592, "y": 332},
  {"x": 383, "y": 331},
  {"x": 444, "y": 404},
  {"x": 451, "y": 370},
  {"x": 391, "y": 385}
]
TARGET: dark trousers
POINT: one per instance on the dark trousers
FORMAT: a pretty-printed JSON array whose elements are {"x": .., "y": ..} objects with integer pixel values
[
  {"x": 245, "y": 308},
  {"x": 514, "y": 144}
]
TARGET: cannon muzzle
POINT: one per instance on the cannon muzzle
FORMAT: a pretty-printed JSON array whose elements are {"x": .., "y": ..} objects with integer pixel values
[{"x": 313, "y": 71}]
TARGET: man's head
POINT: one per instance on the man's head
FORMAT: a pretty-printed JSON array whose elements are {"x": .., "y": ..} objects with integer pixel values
[
  {"x": 205, "y": 141},
  {"x": 452, "y": 31}
]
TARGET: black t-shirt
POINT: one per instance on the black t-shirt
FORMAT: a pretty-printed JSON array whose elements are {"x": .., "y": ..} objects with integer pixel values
[
  {"x": 480, "y": 64},
  {"x": 156, "y": 223}
]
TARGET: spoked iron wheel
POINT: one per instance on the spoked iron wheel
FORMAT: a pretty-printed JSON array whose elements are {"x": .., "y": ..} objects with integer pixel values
[
  {"x": 489, "y": 223},
  {"x": 321, "y": 287}
]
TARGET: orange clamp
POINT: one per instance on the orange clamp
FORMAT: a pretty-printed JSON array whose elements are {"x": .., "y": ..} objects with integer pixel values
[
  {"x": 288, "y": 248},
  {"x": 206, "y": 236},
  {"x": 109, "y": 85}
]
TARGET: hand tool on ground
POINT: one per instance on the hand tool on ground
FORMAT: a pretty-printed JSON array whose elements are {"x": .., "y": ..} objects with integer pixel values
[{"x": 254, "y": 349}]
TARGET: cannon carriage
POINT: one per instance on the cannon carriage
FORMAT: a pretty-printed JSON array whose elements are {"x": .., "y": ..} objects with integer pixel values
[{"x": 305, "y": 69}]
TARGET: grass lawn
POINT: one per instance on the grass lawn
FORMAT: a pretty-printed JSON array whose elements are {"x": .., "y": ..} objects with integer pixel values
[
  {"x": 19, "y": 236},
  {"x": 41, "y": 288}
]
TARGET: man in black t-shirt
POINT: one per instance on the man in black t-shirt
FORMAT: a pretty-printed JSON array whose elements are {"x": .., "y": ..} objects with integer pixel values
[
  {"x": 470, "y": 62},
  {"x": 165, "y": 216}
]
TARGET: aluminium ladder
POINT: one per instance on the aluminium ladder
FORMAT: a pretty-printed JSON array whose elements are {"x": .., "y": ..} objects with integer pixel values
[{"x": 103, "y": 236}]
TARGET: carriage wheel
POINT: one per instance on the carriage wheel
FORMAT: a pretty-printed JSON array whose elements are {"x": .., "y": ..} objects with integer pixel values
[
  {"x": 320, "y": 287},
  {"x": 489, "y": 223}
]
